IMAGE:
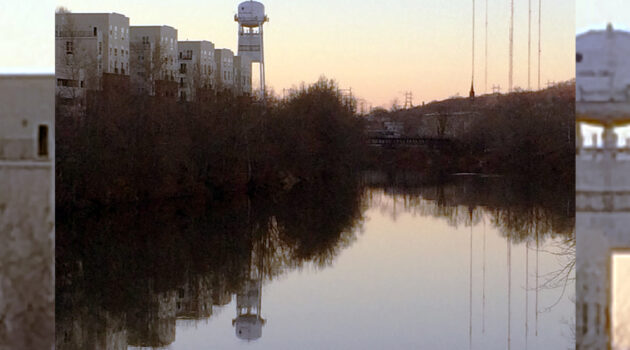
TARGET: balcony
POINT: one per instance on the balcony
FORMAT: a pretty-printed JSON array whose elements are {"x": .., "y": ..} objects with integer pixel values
[{"x": 74, "y": 34}]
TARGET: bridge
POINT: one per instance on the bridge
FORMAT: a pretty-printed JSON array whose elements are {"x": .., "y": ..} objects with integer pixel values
[{"x": 427, "y": 142}]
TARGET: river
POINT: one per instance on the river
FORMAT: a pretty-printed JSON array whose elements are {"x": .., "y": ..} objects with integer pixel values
[{"x": 389, "y": 261}]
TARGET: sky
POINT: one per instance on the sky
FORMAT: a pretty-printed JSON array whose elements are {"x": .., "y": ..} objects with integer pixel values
[
  {"x": 380, "y": 49},
  {"x": 621, "y": 288},
  {"x": 594, "y": 14}
]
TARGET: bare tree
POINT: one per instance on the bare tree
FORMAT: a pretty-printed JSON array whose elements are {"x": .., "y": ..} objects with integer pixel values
[
  {"x": 149, "y": 62},
  {"x": 76, "y": 61},
  {"x": 200, "y": 80}
]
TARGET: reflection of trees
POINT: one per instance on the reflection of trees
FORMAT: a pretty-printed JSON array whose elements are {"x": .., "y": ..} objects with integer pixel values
[
  {"x": 519, "y": 213},
  {"x": 529, "y": 217},
  {"x": 129, "y": 274}
]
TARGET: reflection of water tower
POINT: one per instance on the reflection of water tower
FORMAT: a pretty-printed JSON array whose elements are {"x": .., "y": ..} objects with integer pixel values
[
  {"x": 249, "y": 322},
  {"x": 251, "y": 17}
]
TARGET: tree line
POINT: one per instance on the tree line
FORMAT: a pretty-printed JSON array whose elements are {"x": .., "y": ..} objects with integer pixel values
[
  {"x": 523, "y": 135},
  {"x": 130, "y": 148}
]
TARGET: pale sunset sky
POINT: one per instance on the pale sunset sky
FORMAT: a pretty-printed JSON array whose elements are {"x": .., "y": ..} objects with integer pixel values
[
  {"x": 593, "y": 14},
  {"x": 379, "y": 48}
]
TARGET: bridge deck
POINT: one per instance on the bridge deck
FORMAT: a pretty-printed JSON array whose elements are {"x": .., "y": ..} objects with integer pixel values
[{"x": 412, "y": 141}]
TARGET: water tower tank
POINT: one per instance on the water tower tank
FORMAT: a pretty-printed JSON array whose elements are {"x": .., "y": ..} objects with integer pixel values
[
  {"x": 248, "y": 327},
  {"x": 251, "y": 13}
]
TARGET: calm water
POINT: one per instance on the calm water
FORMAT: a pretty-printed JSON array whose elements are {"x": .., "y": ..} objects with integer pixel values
[{"x": 389, "y": 262}]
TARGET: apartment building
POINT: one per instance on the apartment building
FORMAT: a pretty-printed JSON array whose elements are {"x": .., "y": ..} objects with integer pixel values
[
  {"x": 243, "y": 75},
  {"x": 224, "y": 59},
  {"x": 197, "y": 68},
  {"x": 91, "y": 50},
  {"x": 154, "y": 62}
]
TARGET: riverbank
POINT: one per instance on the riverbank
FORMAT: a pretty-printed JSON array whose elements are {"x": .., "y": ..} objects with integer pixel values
[{"x": 142, "y": 149}]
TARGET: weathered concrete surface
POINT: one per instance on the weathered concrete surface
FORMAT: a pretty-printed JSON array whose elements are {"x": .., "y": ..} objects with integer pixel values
[
  {"x": 27, "y": 318},
  {"x": 602, "y": 228},
  {"x": 599, "y": 235},
  {"x": 26, "y": 257}
]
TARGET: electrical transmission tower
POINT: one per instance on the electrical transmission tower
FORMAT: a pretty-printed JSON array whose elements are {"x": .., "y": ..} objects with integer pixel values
[{"x": 408, "y": 100}]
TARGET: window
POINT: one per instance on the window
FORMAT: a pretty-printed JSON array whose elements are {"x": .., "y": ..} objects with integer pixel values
[
  {"x": 42, "y": 141},
  {"x": 94, "y": 31},
  {"x": 578, "y": 57},
  {"x": 115, "y": 52},
  {"x": 69, "y": 47},
  {"x": 584, "y": 318}
]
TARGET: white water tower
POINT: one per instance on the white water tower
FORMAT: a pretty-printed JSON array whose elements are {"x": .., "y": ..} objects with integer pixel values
[{"x": 251, "y": 17}]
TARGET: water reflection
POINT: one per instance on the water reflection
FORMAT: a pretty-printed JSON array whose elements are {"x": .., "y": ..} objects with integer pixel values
[{"x": 141, "y": 276}]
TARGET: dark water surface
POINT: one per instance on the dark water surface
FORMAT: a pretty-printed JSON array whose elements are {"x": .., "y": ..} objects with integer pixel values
[{"x": 384, "y": 262}]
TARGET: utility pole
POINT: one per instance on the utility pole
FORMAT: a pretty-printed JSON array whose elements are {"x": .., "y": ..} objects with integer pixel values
[
  {"x": 529, "y": 45},
  {"x": 539, "y": 14},
  {"x": 486, "y": 58},
  {"x": 472, "y": 81},
  {"x": 511, "y": 45}
]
